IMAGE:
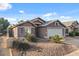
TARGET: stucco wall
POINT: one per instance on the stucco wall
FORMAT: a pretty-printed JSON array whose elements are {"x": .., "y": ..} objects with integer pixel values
[
  {"x": 15, "y": 32},
  {"x": 43, "y": 32}
]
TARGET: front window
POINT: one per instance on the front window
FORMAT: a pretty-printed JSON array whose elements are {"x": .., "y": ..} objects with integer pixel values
[{"x": 21, "y": 31}]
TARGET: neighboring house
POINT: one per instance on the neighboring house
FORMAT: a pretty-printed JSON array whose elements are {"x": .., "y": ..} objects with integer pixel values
[
  {"x": 39, "y": 28},
  {"x": 71, "y": 25}
]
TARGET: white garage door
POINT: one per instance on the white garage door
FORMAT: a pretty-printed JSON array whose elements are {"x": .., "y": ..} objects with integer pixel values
[{"x": 53, "y": 32}]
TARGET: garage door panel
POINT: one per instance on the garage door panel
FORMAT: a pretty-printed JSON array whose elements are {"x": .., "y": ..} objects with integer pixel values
[{"x": 53, "y": 32}]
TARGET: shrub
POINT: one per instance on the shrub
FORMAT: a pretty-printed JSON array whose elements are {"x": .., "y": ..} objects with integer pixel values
[
  {"x": 15, "y": 44},
  {"x": 34, "y": 39},
  {"x": 30, "y": 38},
  {"x": 23, "y": 46},
  {"x": 56, "y": 39},
  {"x": 72, "y": 33},
  {"x": 77, "y": 33}
]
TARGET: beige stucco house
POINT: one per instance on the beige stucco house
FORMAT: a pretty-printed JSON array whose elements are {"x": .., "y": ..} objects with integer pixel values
[
  {"x": 71, "y": 25},
  {"x": 39, "y": 28}
]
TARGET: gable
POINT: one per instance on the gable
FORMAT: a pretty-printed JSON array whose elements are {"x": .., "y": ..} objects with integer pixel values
[
  {"x": 55, "y": 24},
  {"x": 75, "y": 23},
  {"x": 38, "y": 21},
  {"x": 26, "y": 24}
]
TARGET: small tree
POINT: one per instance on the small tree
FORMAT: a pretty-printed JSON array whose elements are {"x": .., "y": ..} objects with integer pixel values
[
  {"x": 56, "y": 39},
  {"x": 30, "y": 37},
  {"x": 3, "y": 25}
]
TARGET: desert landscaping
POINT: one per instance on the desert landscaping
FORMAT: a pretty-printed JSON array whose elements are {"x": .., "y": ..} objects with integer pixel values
[{"x": 39, "y": 29}]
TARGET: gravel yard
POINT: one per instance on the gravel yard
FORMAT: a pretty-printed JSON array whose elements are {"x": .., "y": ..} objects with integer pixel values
[
  {"x": 44, "y": 48},
  {"x": 48, "y": 49}
]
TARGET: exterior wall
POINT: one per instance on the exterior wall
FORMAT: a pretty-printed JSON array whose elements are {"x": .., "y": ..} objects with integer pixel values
[
  {"x": 53, "y": 24},
  {"x": 69, "y": 29},
  {"x": 33, "y": 31},
  {"x": 19, "y": 35},
  {"x": 15, "y": 32},
  {"x": 30, "y": 30},
  {"x": 64, "y": 32},
  {"x": 42, "y": 32}
]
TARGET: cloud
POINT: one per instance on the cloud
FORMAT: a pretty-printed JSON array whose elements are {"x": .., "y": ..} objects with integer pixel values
[
  {"x": 50, "y": 14},
  {"x": 66, "y": 18},
  {"x": 21, "y": 11},
  {"x": 54, "y": 15},
  {"x": 5, "y": 6}
]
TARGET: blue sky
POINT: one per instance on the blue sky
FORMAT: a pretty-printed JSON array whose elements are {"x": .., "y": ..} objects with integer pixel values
[{"x": 47, "y": 11}]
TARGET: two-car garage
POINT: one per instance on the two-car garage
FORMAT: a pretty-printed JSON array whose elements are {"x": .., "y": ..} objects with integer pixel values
[
  {"x": 55, "y": 31},
  {"x": 52, "y": 28}
]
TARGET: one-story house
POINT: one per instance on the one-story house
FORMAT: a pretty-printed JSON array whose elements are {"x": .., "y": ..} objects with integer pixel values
[
  {"x": 71, "y": 25},
  {"x": 39, "y": 28}
]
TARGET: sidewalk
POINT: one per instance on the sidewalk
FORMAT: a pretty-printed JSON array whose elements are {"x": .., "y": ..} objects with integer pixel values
[
  {"x": 4, "y": 51},
  {"x": 75, "y": 53}
]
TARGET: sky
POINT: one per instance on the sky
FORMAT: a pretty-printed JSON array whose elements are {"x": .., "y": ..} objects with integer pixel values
[{"x": 47, "y": 11}]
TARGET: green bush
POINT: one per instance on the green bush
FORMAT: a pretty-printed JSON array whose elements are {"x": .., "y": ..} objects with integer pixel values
[
  {"x": 72, "y": 33},
  {"x": 77, "y": 33},
  {"x": 56, "y": 39},
  {"x": 30, "y": 38}
]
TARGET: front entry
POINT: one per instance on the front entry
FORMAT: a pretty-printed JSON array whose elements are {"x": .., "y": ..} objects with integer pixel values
[{"x": 36, "y": 32}]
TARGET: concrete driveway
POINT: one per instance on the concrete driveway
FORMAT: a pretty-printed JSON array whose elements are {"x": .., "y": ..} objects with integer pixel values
[{"x": 72, "y": 40}]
